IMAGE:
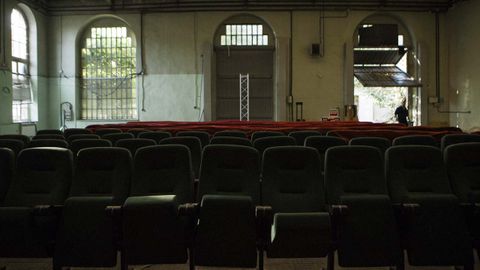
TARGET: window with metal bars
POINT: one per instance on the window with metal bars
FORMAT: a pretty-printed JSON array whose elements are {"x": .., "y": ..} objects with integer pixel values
[
  {"x": 244, "y": 35},
  {"x": 22, "y": 96},
  {"x": 108, "y": 74}
]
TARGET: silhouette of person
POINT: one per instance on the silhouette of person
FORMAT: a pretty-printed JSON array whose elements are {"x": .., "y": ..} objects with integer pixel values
[{"x": 401, "y": 113}]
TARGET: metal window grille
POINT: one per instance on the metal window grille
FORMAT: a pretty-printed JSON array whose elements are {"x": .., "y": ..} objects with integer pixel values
[
  {"x": 108, "y": 84},
  {"x": 244, "y": 35}
]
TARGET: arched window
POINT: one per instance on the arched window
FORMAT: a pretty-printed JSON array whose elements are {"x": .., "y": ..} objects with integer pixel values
[
  {"x": 108, "y": 70},
  {"x": 22, "y": 94}
]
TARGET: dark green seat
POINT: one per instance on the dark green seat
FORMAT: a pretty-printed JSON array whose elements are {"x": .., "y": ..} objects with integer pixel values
[
  {"x": 367, "y": 234},
  {"x": 450, "y": 139},
  {"x": 48, "y": 143},
  {"x": 261, "y": 144},
  {"x": 301, "y": 135},
  {"x": 463, "y": 167},
  {"x": 230, "y": 140},
  {"x": 322, "y": 143},
  {"x": 7, "y": 161},
  {"x": 49, "y": 132},
  {"x": 263, "y": 134},
  {"x": 195, "y": 146},
  {"x": 80, "y": 144},
  {"x": 202, "y": 135},
  {"x": 133, "y": 145},
  {"x": 25, "y": 139},
  {"x": 153, "y": 232},
  {"x": 379, "y": 142},
  {"x": 114, "y": 137},
  {"x": 74, "y": 137},
  {"x": 231, "y": 133},
  {"x": 415, "y": 140},
  {"x": 48, "y": 136},
  {"x": 136, "y": 131},
  {"x": 86, "y": 237},
  {"x": 229, "y": 190},
  {"x": 104, "y": 131},
  {"x": 42, "y": 178},
  {"x": 15, "y": 145},
  {"x": 155, "y": 135},
  {"x": 75, "y": 131},
  {"x": 292, "y": 186},
  {"x": 434, "y": 227}
]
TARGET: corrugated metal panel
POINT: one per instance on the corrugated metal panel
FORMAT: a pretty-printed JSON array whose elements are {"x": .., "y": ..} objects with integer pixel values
[
  {"x": 384, "y": 77},
  {"x": 379, "y": 56}
]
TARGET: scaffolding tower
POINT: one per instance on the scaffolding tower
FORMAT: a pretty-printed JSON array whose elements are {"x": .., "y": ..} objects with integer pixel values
[{"x": 244, "y": 97}]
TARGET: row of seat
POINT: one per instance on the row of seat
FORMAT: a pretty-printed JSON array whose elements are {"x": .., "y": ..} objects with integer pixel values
[{"x": 357, "y": 208}]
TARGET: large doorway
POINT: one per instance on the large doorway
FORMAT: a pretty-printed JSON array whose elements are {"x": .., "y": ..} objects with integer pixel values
[
  {"x": 244, "y": 45},
  {"x": 385, "y": 71}
]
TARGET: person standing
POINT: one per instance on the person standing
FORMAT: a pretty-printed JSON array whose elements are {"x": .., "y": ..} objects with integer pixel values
[{"x": 401, "y": 113}]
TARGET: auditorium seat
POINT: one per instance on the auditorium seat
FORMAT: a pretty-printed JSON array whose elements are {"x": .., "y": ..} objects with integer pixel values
[
  {"x": 415, "y": 140},
  {"x": 450, "y": 139},
  {"x": 75, "y": 131},
  {"x": 80, "y": 144},
  {"x": 194, "y": 144},
  {"x": 15, "y": 145},
  {"x": 229, "y": 190},
  {"x": 7, "y": 161},
  {"x": 322, "y": 143},
  {"x": 434, "y": 228},
  {"x": 366, "y": 233},
  {"x": 114, "y": 137},
  {"x": 230, "y": 140},
  {"x": 104, "y": 131},
  {"x": 263, "y": 134},
  {"x": 48, "y": 143},
  {"x": 261, "y": 144},
  {"x": 133, "y": 145},
  {"x": 379, "y": 142},
  {"x": 231, "y": 133},
  {"x": 153, "y": 231},
  {"x": 25, "y": 139},
  {"x": 42, "y": 179},
  {"x": 48, "y": 137},
  {"x": 155, "y": 135},
  {"x": 49, "y": 132},
  {"x": 463, "y": 167},
  {"x": 81, "y": 136},
  {"x": 300, "y": 136},
  {"x": 293, "y": 187},
  {"x": 136, "y": 131},
  {"x": 85, "y": 237},
  {"x": 202, "y": 135}
]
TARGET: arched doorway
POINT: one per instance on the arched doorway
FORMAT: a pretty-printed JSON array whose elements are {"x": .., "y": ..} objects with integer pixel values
[
  {"x": 385, "y": 70},
  {"x": 244, "y": 44}
]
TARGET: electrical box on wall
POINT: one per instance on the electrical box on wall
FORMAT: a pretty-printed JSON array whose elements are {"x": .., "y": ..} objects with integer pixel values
[{"x": 316, "y": 50}]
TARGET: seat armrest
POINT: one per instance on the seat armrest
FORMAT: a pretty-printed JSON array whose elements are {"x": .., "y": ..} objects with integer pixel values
[
  {"x": 338, "y": 209},
  {"x": 47, "y": 210},
  {"x": 189, "y": 210},
  {"x": 113, "y": 211},
  {"x": 264, "y": 220},
  {"x": 264, "y": 213}
]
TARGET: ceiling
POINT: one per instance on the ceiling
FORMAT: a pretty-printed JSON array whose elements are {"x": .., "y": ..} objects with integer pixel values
[{"x": 68, "y": 6}]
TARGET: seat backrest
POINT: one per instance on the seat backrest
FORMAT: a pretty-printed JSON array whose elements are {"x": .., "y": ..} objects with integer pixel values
[
  {"x": 103, "y": 171},
  {"x": 82, "y": 136},
  {"x": 48, "y": 143},
  {"x": 415, "y": 140},
  {"x": 266, "y": 142},
  {"x": 25, "y": 139},
  {"x": 155, "y": 135},
  {"x": 7, "y": 162},
  {"x": 230, "y": 140},
  {"x": 104, "y": 131},
  {"x": 230, "y": 170},
  {"x": 80, "y": 144},
  {"x": 322, "y": 143},
  {"x": 15, "y": 145},
  {"x": 415, "y": 169},
  {"x": 42, "y": 177},
  {"x": 202, "y": 135},
  {"x": 450, "y": 139},
  {"x": 195, "y": 146},
  {"x": 163, "y": 170},
  {"x": 463, "y": 167},
  {"x": 291, "y": 180},
  {"x": 136, "y": 131},
  {"x": 114, "y": 137},
  {"x": 75, "y": 131},
  {"x": 351, "y": 170},
  {"x": 49, "y": 132},
  {"x": 231, "y": 133},
  {"x": 379, "y": 142},
  {"x": 133, "y": 145},
  {"x": 301, "y": 135},
  {"x": 48, "y": 136},
  {"x": 263, "y": 134}
]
